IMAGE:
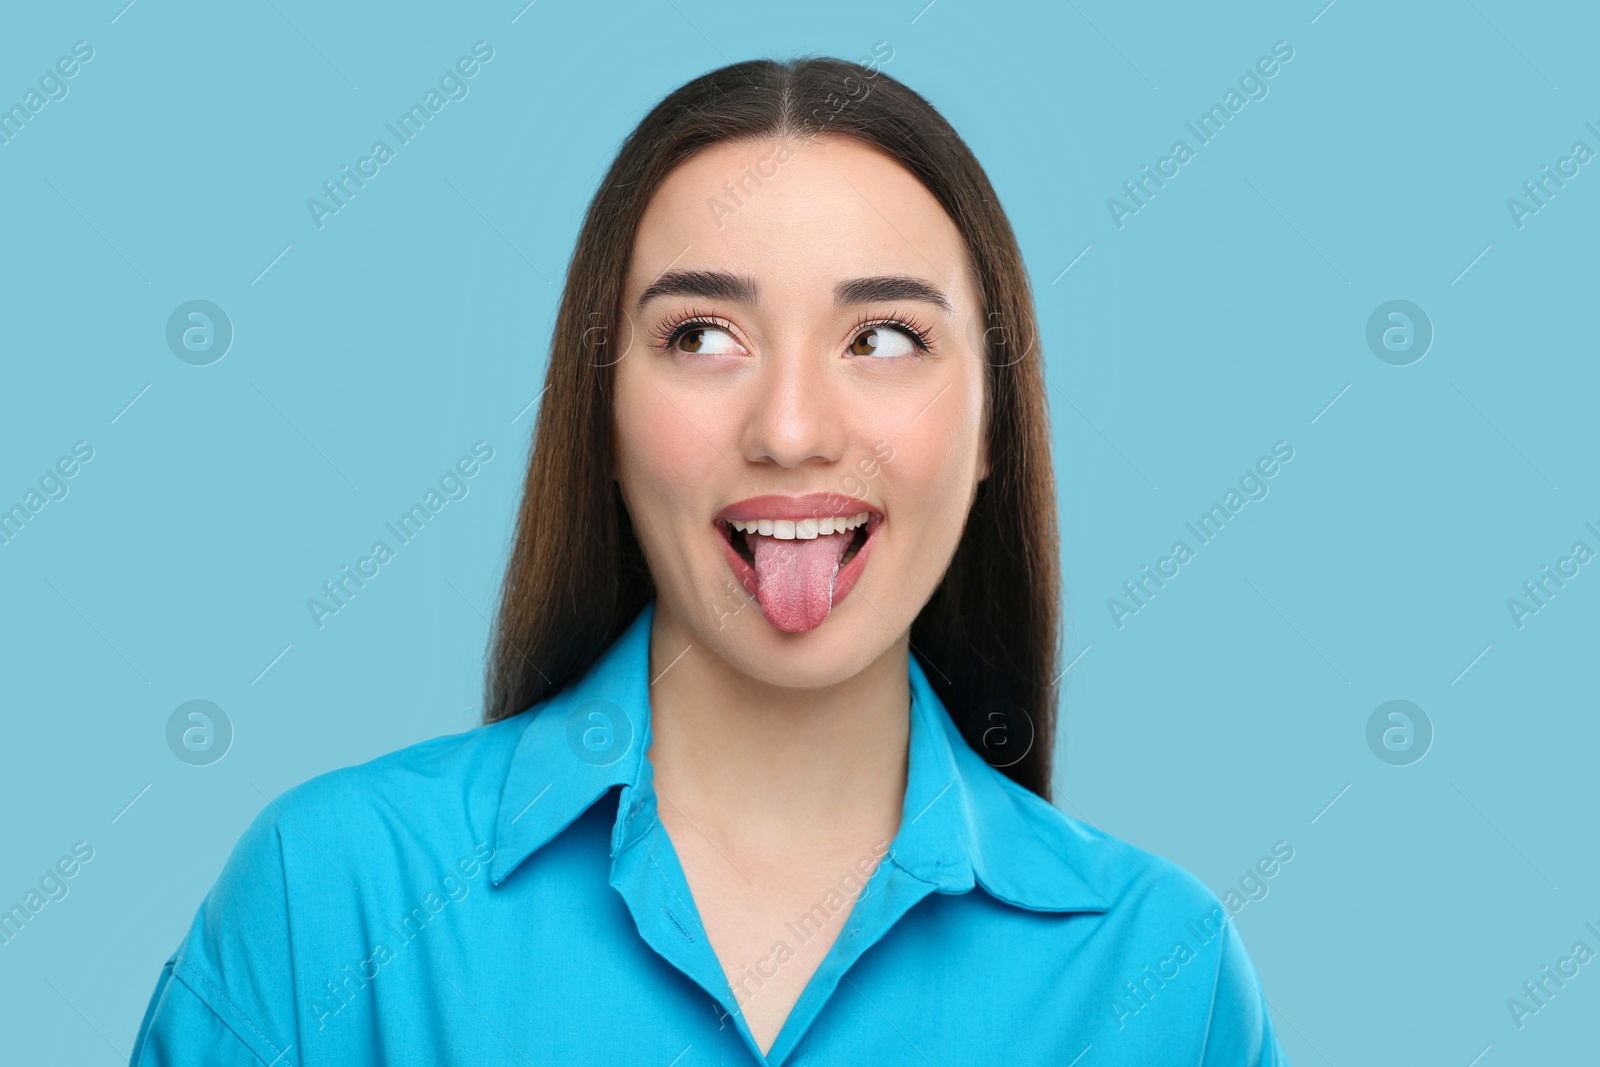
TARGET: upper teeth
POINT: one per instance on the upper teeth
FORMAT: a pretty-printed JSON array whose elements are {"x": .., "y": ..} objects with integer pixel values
[{"x": 803, "y": 529}]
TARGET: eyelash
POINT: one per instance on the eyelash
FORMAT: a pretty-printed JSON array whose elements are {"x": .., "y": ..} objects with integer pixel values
[{"x": 670, "y": 332}]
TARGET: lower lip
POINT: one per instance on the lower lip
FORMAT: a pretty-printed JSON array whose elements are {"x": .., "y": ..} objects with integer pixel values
[{"x": 843, "y": 581}]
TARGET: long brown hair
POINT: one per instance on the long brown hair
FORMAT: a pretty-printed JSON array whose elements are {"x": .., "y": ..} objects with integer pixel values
[{"x": 988, "y": 637}]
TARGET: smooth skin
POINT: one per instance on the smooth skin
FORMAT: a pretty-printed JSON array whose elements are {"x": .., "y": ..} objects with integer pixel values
[{"x": 780, "y": 758}]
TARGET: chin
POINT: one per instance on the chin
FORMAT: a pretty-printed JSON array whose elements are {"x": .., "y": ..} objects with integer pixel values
[
  {"x": 838, "y": 650},
  {"x": 855, "y": 634}
]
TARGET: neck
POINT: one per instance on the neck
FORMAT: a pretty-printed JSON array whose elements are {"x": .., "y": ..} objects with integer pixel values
[{"x": 769, "y": 766}]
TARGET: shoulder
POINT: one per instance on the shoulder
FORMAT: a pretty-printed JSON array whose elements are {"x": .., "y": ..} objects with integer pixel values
[
  {"x": 466, "y": 769},
  {"x": 321, "y": 867},
  {"x": 1133, "y": 879},
  {"x": 1028, "y": 850},
  {"x": 428, "y": 803},
  {"x": 349, "y": 834},
  {"x": 1164, "y": 947}
]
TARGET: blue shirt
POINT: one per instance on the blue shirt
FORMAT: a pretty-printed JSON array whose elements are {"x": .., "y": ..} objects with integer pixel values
[{"x": 508, "y": 896}]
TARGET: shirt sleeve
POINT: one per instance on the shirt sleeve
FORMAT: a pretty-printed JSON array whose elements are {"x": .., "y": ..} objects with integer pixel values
[
  {"x": 1239, "y": 1032},
  {"x": 180, "y": 1028},
  {"x": 226, "y": 997}
]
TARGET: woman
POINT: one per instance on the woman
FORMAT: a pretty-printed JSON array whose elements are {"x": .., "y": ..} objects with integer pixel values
[{"x": 766, "y": 760}]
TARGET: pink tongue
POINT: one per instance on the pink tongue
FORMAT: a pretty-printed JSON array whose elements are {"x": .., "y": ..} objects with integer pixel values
[{"x": 794, "y": 578}]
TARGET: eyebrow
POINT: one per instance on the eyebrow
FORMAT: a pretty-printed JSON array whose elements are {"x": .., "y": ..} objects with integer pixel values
[{"x": 741, "y": 288}]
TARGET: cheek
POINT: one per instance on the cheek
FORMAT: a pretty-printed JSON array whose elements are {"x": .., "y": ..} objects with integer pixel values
[
  {"x": 935, "y": 470},
  {"x": 658, "y": 450},
  {"x": 664, "y": 464}
]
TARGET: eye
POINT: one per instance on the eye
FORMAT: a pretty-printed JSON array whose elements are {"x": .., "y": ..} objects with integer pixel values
[
  {"x": 701, "y": 339},
  {"x": 696, "y": 334},
  {"x": 896, "y": 336},
  {"x": 883, "y": 341}
]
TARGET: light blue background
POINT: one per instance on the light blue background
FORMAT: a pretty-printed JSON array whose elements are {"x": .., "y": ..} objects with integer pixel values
[{"x": 1223, "y": 317}]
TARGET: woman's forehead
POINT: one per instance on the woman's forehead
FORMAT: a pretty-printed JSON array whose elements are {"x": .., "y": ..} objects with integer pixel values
[{"x": 794, "y": 214}]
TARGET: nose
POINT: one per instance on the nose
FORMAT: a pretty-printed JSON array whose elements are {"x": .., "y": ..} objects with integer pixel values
[{"x": 796, "y": 415}]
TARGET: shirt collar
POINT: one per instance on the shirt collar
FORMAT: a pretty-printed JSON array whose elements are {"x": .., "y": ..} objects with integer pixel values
[
  {"x": 963, "y": 822},
  {"x": 587, "y": 738}
]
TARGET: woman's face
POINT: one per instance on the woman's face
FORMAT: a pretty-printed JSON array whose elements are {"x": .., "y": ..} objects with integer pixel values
[{"x": 803, "y": 347}]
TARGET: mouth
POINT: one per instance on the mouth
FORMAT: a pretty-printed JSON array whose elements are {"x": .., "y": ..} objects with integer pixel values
[
  {"x": 739, "y": 536},
  {"x": 796, "y": 556}
]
